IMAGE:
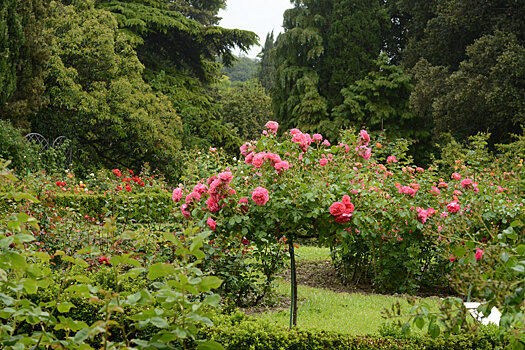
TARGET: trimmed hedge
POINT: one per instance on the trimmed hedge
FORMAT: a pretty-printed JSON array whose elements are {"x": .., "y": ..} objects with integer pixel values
[
  {"x": 141, "y": 207},
  {"x": 239, "y": 332}
]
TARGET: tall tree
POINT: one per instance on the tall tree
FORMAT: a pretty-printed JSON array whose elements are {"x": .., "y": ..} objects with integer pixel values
[
  {"x": 266, "y": 71},
  {"x": 487, "y": 92},
  {"x": 24, "y": 50},
  {"x": 326, "y": 46},
  {"x": 179, "y": 42},
  {"x": 98, "y": 97}
]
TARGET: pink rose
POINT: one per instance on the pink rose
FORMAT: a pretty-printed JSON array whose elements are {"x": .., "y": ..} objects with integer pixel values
[
  {"x": 213, "y": 149},
  {"x": 249, "y": 158},
  {"x": 260, "y": 196},
  {"x": 304, "y": 140},
  {"x": 479, "y": 253},
  {"x": 323, "y": 161},
  {"x": 185, "y": 211},
  {"x": 435, "y": 191},
  {"x": 282, "y": 165},
  {"x": 193, "y": 196},
  {"x": 466, "y": 183},
  {"x": 213, "y": 203},
  {"x": 453, "y": 207},
  {"x": 226, "y": 176},
  {"x": 365, "y": 138},
  {"x": 272, "y": 126},
  {"x": 200, "y": 188},
  {"x": 337, "y": 209},
  {"x": 295, "y": 131},
  {"x": 274, "y": 158},
  {"x": 177, "y": 194},
  {"x": 211, "y": 223},
  {"x": 391, "y": 159},
  {"x": 317, "y": 137},
  {"x": 326, "y": 143},
  {"x": 455, "y": 176},
  {"x": 443, "y": 184},
  {"x": 258, "y": 159},
  {"x": 349, "y": 207}
]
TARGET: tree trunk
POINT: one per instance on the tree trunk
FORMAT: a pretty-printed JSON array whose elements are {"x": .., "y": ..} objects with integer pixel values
[{"x": 293, "y": 285}]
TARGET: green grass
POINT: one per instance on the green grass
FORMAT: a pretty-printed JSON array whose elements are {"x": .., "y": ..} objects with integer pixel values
[
  {"x": 356, "y": 314},
  {"x": 307, "y": 253}
]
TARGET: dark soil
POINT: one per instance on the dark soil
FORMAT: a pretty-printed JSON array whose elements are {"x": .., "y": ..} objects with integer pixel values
[{"x": 321, "y": 274}]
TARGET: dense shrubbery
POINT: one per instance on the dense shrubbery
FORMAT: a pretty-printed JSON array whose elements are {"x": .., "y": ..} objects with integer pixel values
[{"x": 388, "y": 222}]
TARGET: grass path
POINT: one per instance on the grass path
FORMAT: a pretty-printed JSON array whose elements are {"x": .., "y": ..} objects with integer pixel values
[{"x": 322, "y": 309}]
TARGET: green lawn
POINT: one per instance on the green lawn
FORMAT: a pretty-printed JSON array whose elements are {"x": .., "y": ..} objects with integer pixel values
[{"x": 308, "y": 253}]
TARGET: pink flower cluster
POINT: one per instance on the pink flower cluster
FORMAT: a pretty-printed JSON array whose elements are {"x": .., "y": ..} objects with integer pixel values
[
  {"x": 453, "y": 207},
  {"x": 342, "y": 211},
  {"x": 304, "y": 140},
  {"x": 260, "y": 196},
  {"x": 272, "y": 126},
  {"x": 407, "y": 190},
  {"x": 423, "y": 215}
]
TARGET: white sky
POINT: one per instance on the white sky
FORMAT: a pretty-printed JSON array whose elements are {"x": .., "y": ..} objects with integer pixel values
[{"x": 259, "y": 16}]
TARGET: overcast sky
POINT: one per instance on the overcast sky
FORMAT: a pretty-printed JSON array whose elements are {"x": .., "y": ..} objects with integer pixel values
[{"x": 259, "y": 16}]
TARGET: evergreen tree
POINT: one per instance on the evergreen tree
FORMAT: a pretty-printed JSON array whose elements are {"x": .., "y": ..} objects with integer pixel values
[
  {"x": 179, "y": 43},
  {"x": 266, "y": 71},
  {"x": 24, "y": 50},
  {"x": 98, "y": 97},
  {"x": 326, "y": 46}
]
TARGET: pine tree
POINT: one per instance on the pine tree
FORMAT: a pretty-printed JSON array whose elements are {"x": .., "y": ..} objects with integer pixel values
[
  {"x": 326, "y": 46},
  {"x": 266, "y": 71},
  {"x": 24, "y": 52}
]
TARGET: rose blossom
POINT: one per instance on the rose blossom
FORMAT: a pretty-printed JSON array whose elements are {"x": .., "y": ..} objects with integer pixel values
[
  {"x": 193, "y": 196},
  {"x": 455, "y": 176},
  {"x": 295, "y": 131},
  {"x": 391, "y": 159},
  {"x": 453, "y": 207},
  {"x": 337, "y": 209},
  {"x": 274, "y": 158},
  {"x": 260, "y": 196},
  {"x": 282, "y": 165},
  {"x": 323, "y": 161},
  {"x": 200, "y": 188},
  {"x": 317, "y": 137},
  {"x": 211, "y": 223},
  {"x": 365, "y": 138},
  {"x": 479, "y": 253},
  {"x": 258, "y": 159},
  {"x": 226, "y": 176},
  {"x": 185, "y": 211},
  {"x": 326, "y": 143},
  {"x": 177, "y": 194},
  {"x": 213, "y": 203},
  {"x": 272, "y": 126}
]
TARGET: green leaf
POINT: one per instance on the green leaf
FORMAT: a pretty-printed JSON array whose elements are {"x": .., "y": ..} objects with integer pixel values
[
  {"x": 159, "y": 322},
  {"x": 434, "y": 330},
  {"x": 213, "y": 300},
  {"x": 210, "y": 345},
  {"x": 460, "y": 252},
  {"x": 30, "y": 286},
  {"x": 65, "y": 306},
  {"x": 209, "y": 282},
  {"x": 159, "y": 270}
]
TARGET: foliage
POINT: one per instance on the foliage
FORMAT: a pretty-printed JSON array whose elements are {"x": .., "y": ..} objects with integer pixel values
[
  {"x": 179, "y": 44},
  {"x": 98, "y": 97},
  {"x": 244, "y": 106},
  {"x": 266, "y": 69},
  {"x": 243, "y": 69},
  {"x": 381, "y": 102},
  {"x": 24, "y": 53},
  {"x": 496, "y": 63},
  {"x": 238, "y": 331},
  {"x": 325, "y": 47},
  {"x": 165, "y": 313}
]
